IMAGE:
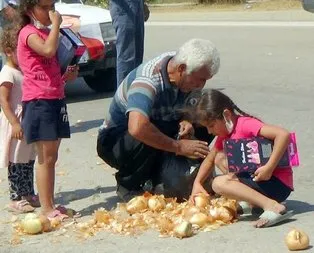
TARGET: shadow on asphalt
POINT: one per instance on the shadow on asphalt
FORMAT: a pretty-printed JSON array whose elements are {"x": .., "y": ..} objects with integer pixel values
[
  {"x": 109, "y": 203},
  {"x": 299, "y": 207},
  {"x": 86, "y": 125},
  {"x": 78, "y": 91},
  {"x": 64, "y": 198}
]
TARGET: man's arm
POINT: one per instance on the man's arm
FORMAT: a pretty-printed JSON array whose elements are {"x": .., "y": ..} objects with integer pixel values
[{"x": 142, "y": 129}]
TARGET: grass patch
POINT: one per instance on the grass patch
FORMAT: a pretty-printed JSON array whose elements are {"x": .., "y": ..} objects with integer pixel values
[{"x": 268, "y": 5}]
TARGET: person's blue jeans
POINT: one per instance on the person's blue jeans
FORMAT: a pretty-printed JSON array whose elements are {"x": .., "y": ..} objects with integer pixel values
[{"x": 128, "y": 21}]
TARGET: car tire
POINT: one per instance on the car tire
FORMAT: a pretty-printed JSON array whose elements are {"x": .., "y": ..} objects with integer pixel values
[{"x": 102, "y": 80}]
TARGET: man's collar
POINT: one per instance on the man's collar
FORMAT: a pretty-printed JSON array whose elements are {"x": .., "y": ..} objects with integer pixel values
[{"x": 164, "y": 72}]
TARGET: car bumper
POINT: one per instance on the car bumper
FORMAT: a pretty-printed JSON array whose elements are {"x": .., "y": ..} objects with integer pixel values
[{"x": 108, "y": 61}]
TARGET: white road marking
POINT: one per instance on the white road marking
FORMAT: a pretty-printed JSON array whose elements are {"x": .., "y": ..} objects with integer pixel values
[{"x": 234, "y": 23}]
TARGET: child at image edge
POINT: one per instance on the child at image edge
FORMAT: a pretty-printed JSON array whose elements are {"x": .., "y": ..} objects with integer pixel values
[
  {"x": 15, "y": 154},
  {"x": 269, "y": 185}
]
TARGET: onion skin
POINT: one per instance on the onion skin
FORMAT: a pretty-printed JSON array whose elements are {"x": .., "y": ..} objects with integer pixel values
[{"x": 297, "y": 240}]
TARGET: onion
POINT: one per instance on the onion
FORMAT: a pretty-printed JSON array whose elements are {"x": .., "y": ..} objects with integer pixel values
[
  {"x": 45, "y": 223},
  {"x": 199, "y": 219},
  {"x": 221, "y": 213},
  {"x": 184, "y": 229},
  {"x": 136, "y": 204},
  {"x": 201, "y": 200},
  {"x": 156, "y": 203},
  {"x": 30, "y": 216},
  {"x": 102, "y": 216},
  {"x": 32, "y": 226},
  {"x": 297, "y": 240},
  {"x": 189, "y": 212}
]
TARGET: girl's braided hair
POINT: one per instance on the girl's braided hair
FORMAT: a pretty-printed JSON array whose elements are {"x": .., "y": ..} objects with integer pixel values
[{"x": 210, "y": 105}]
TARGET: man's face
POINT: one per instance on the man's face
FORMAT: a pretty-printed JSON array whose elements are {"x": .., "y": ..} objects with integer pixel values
[{"x": 194, "y": 80}]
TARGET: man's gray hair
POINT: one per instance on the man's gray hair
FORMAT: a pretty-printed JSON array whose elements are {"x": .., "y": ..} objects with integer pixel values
[{"x": 197, "y": 53}]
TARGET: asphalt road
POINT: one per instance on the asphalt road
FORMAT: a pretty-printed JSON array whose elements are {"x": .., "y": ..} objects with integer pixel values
[{"x": 267, "y": 70}]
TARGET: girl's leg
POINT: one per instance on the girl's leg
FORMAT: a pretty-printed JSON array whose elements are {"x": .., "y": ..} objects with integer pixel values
[
  {"x": 230, "y": 186},
  {"x": 45, "y": 173}
]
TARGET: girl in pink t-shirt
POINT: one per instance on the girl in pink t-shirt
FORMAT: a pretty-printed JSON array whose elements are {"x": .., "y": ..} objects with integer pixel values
[
  {"x": 45, "y": 119},
  {"x": 269, "y": 185}
]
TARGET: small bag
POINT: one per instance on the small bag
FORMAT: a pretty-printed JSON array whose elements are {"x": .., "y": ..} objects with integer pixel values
[{"x": 177, "y": 175}]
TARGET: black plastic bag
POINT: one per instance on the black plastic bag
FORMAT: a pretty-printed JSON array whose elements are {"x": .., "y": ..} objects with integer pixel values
[{"x": 177, "y": 175}]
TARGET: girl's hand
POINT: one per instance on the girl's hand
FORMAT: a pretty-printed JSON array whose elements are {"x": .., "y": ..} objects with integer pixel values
[
  {"x": 263, "y": 173},
  {"x": 17, "y": 131},
  {"x": 71, "y": 73},
  {"x": 186, "y": 129},
  {"x": 197, "y": 189},
  {"x": 55, "y": 18}
]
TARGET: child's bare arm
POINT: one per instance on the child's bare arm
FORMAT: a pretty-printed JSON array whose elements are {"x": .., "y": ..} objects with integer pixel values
[
  {"x": 5, "y": 91},
  {"x": 203, "y": 173},
  {"x": 280, "y": 136},
  {"x": 48, "y": 47},
  {"x": 206, "y": 167}
]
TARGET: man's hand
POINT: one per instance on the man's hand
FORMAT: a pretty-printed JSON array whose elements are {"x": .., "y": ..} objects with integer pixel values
[
  {"x": 263, "y": 173},
  {"x": 17, "y": 131},
  {"x": 197, "y": 189},
  {"x": 193, "y": 148},
  {"x": 186, "y": 129}
]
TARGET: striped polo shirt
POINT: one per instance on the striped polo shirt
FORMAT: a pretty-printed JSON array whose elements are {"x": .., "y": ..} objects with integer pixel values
[{"x": 147, "y": 89}]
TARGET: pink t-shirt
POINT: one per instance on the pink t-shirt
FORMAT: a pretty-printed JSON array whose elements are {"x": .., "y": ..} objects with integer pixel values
[
  {"x": 42, "y": 76},
  {"x": 247, "y": 127}
]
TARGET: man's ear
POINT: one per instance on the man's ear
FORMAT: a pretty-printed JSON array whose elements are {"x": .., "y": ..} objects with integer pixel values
[{"x": 181, "y": 68}]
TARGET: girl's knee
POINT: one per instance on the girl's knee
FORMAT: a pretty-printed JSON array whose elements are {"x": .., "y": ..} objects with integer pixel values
[{"x": 219, "y": 183}]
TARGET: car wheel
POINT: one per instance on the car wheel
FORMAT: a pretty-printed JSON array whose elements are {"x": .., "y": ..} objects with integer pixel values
[{"x": 102, "y": 80}]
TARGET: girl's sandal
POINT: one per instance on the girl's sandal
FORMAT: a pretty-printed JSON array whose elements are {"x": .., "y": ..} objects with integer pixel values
[
  {"x": 68, "y": 211},
  {"x": 56, "y": 214},
  {"x": 21, "y": 206}
]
